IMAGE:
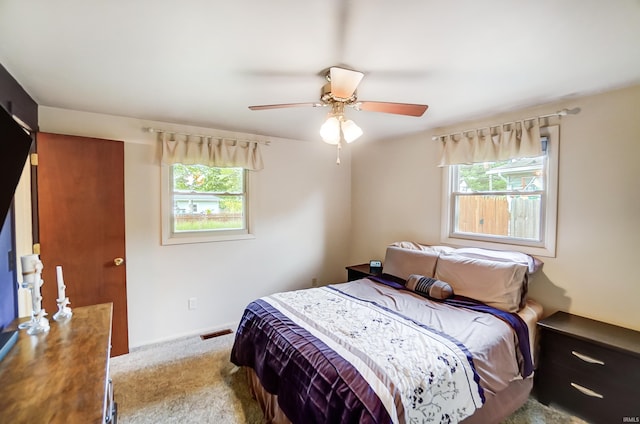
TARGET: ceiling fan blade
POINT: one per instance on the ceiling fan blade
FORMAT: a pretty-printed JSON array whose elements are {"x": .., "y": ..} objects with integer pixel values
[
  {"x": 284, "y": 105},
  {"x": 344, "y": 81},
  {"x": 397, "y": 108}
]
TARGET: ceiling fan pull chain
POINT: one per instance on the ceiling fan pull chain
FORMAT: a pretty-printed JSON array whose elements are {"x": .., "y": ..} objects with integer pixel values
[{"x": 338, "y": 154}]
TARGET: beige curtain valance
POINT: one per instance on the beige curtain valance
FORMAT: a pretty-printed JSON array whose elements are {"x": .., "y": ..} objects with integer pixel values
[
  {"x": 513, "y": 140},
  {"x": 210, "y": 151}
]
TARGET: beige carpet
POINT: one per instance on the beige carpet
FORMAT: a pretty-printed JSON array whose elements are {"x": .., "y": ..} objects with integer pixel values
[{"x": 191, "y": 381}]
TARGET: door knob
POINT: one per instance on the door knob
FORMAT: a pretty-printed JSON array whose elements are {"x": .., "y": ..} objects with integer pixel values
[{"x": 118, "y": 261}]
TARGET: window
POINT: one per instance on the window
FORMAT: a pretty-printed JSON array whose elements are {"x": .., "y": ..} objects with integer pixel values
[
  {"x": 511, "y": 203},
  {"x": 203, "y": 203}
]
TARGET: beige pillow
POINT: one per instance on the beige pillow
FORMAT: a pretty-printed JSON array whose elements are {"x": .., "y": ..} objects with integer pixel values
[
  {"x": 498, "y": 284},
  {"x": 401, "y": 262}
]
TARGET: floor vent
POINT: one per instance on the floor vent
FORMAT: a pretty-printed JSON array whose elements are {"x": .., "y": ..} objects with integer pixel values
[{"x": 215, "y": 334}]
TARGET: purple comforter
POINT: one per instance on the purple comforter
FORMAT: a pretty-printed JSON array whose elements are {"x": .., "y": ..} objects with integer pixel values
[{"x": 315, "y": 383}]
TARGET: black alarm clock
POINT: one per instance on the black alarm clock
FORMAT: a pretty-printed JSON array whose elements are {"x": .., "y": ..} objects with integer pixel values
[{"x": 375, "y": 266}]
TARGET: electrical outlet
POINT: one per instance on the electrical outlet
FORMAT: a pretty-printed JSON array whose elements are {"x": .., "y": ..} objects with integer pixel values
[
  {"x": 193, "y": 303},
  {"x": 314, "y": 282}
]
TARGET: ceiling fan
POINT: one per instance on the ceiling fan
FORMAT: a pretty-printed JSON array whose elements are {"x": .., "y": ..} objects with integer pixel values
[{"x": 340, "y": 92}]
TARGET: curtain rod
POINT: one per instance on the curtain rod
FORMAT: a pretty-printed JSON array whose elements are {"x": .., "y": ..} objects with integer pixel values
[
  {"x": 563, "y": 112},
  {"x": 156, "y": 130}
]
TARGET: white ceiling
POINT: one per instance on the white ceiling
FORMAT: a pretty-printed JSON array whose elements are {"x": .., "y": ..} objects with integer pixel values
[{"x": 203, "y": 62}]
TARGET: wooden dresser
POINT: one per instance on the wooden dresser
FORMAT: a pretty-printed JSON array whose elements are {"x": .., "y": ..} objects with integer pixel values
[
  {"x": 61, "y": 376},
  {"x": 590, "y": 368}
]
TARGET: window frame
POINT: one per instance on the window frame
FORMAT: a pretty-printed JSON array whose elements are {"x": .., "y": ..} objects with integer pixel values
[
  {"x": 549, "y": 208},
  {"x": 169, "y": 237}
]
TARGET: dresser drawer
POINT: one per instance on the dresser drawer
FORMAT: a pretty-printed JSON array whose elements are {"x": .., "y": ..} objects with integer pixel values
[
  {"x": 599, "y": 404},
  {"x": 596, "y": 362},
  {"x": 585, "y": 382}
]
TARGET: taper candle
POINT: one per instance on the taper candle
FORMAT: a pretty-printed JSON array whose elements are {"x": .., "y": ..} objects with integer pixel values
[{"x": 61, "y": 286}]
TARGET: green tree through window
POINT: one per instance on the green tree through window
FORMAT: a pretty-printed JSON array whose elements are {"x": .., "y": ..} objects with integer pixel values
[
  {"x": 206, "y": 179},
  {"x": 476, "y": 178},
  {"x": 208, "y": 198}
]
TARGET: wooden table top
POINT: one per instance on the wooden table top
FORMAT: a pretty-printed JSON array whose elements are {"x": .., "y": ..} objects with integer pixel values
[{"x": 59, "y": 376}]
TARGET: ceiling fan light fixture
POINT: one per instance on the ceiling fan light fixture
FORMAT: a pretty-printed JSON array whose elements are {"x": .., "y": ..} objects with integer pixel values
[
  {"x": 330, "y": 130},
  {"x": 350, "y": 130}
]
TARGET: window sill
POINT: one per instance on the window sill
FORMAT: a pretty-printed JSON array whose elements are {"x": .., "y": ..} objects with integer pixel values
[{"x": 208, "y": 238}]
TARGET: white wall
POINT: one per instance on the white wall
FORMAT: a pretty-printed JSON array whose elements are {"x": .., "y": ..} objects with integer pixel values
[
  {"x": 23, "y": 234},
  {"x": 396, "y": 188},
  {"x": 300, "y": 205},
  {"x": 310, "y": 215}
]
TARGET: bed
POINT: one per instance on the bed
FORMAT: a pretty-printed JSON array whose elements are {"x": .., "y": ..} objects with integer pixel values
[{"x": 430, "y": 340}]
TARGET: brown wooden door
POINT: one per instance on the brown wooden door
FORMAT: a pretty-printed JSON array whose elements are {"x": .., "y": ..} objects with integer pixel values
[{"x": 81, "y": 222}]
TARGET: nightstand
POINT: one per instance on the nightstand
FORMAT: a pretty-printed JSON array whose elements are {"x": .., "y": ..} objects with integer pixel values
[
  {"x": 590, "y": 368},
  {"x": 356, "y": 272}
]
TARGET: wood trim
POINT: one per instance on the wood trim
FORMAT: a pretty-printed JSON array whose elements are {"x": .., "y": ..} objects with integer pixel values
[{"x": 15, "y": 100}]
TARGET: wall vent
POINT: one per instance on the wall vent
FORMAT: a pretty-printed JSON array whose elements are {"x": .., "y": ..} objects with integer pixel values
[{"x": 215, "y": 334}]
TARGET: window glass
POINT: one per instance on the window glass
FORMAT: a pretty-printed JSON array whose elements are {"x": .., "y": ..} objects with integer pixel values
[
  {"x": 500, "y": 198},
  {"x": 202, "y": 203},
  {"x": 207, "y": 198}
]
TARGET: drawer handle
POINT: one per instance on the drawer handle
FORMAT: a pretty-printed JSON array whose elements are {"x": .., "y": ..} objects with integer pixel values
[
  {"x": 586, "y": 358},
  {"x": 586, "y": 391}
]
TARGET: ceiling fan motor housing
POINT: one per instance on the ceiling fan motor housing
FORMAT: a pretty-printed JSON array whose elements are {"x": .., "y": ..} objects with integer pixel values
[{"x": 327, "y": 96}]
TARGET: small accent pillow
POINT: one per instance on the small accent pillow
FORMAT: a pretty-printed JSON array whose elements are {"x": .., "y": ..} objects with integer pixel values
[
  {"x": 429, "y": 287},
  {"x": 401, "y": 262}
]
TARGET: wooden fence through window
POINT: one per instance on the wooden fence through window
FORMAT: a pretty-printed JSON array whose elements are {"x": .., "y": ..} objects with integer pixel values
[
  {"x": 218, "y": 217},
  {"x": 491, "y": 215}
]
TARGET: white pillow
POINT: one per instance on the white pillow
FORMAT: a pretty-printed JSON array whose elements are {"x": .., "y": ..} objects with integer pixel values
[
  {"x": 532, "y": 263},
  {"x": 424, "y": 247},
  {"x": 496, "y": 283},
  {"x": 401, "y": 262}
]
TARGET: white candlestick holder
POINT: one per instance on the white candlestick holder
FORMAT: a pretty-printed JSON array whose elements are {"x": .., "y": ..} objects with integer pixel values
[
  {"x": 29, "y": 286},
  {"x": 31, "y": 274},
  {"x": 39, "y": 324},
  {"x": 64, "y": 312}
]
